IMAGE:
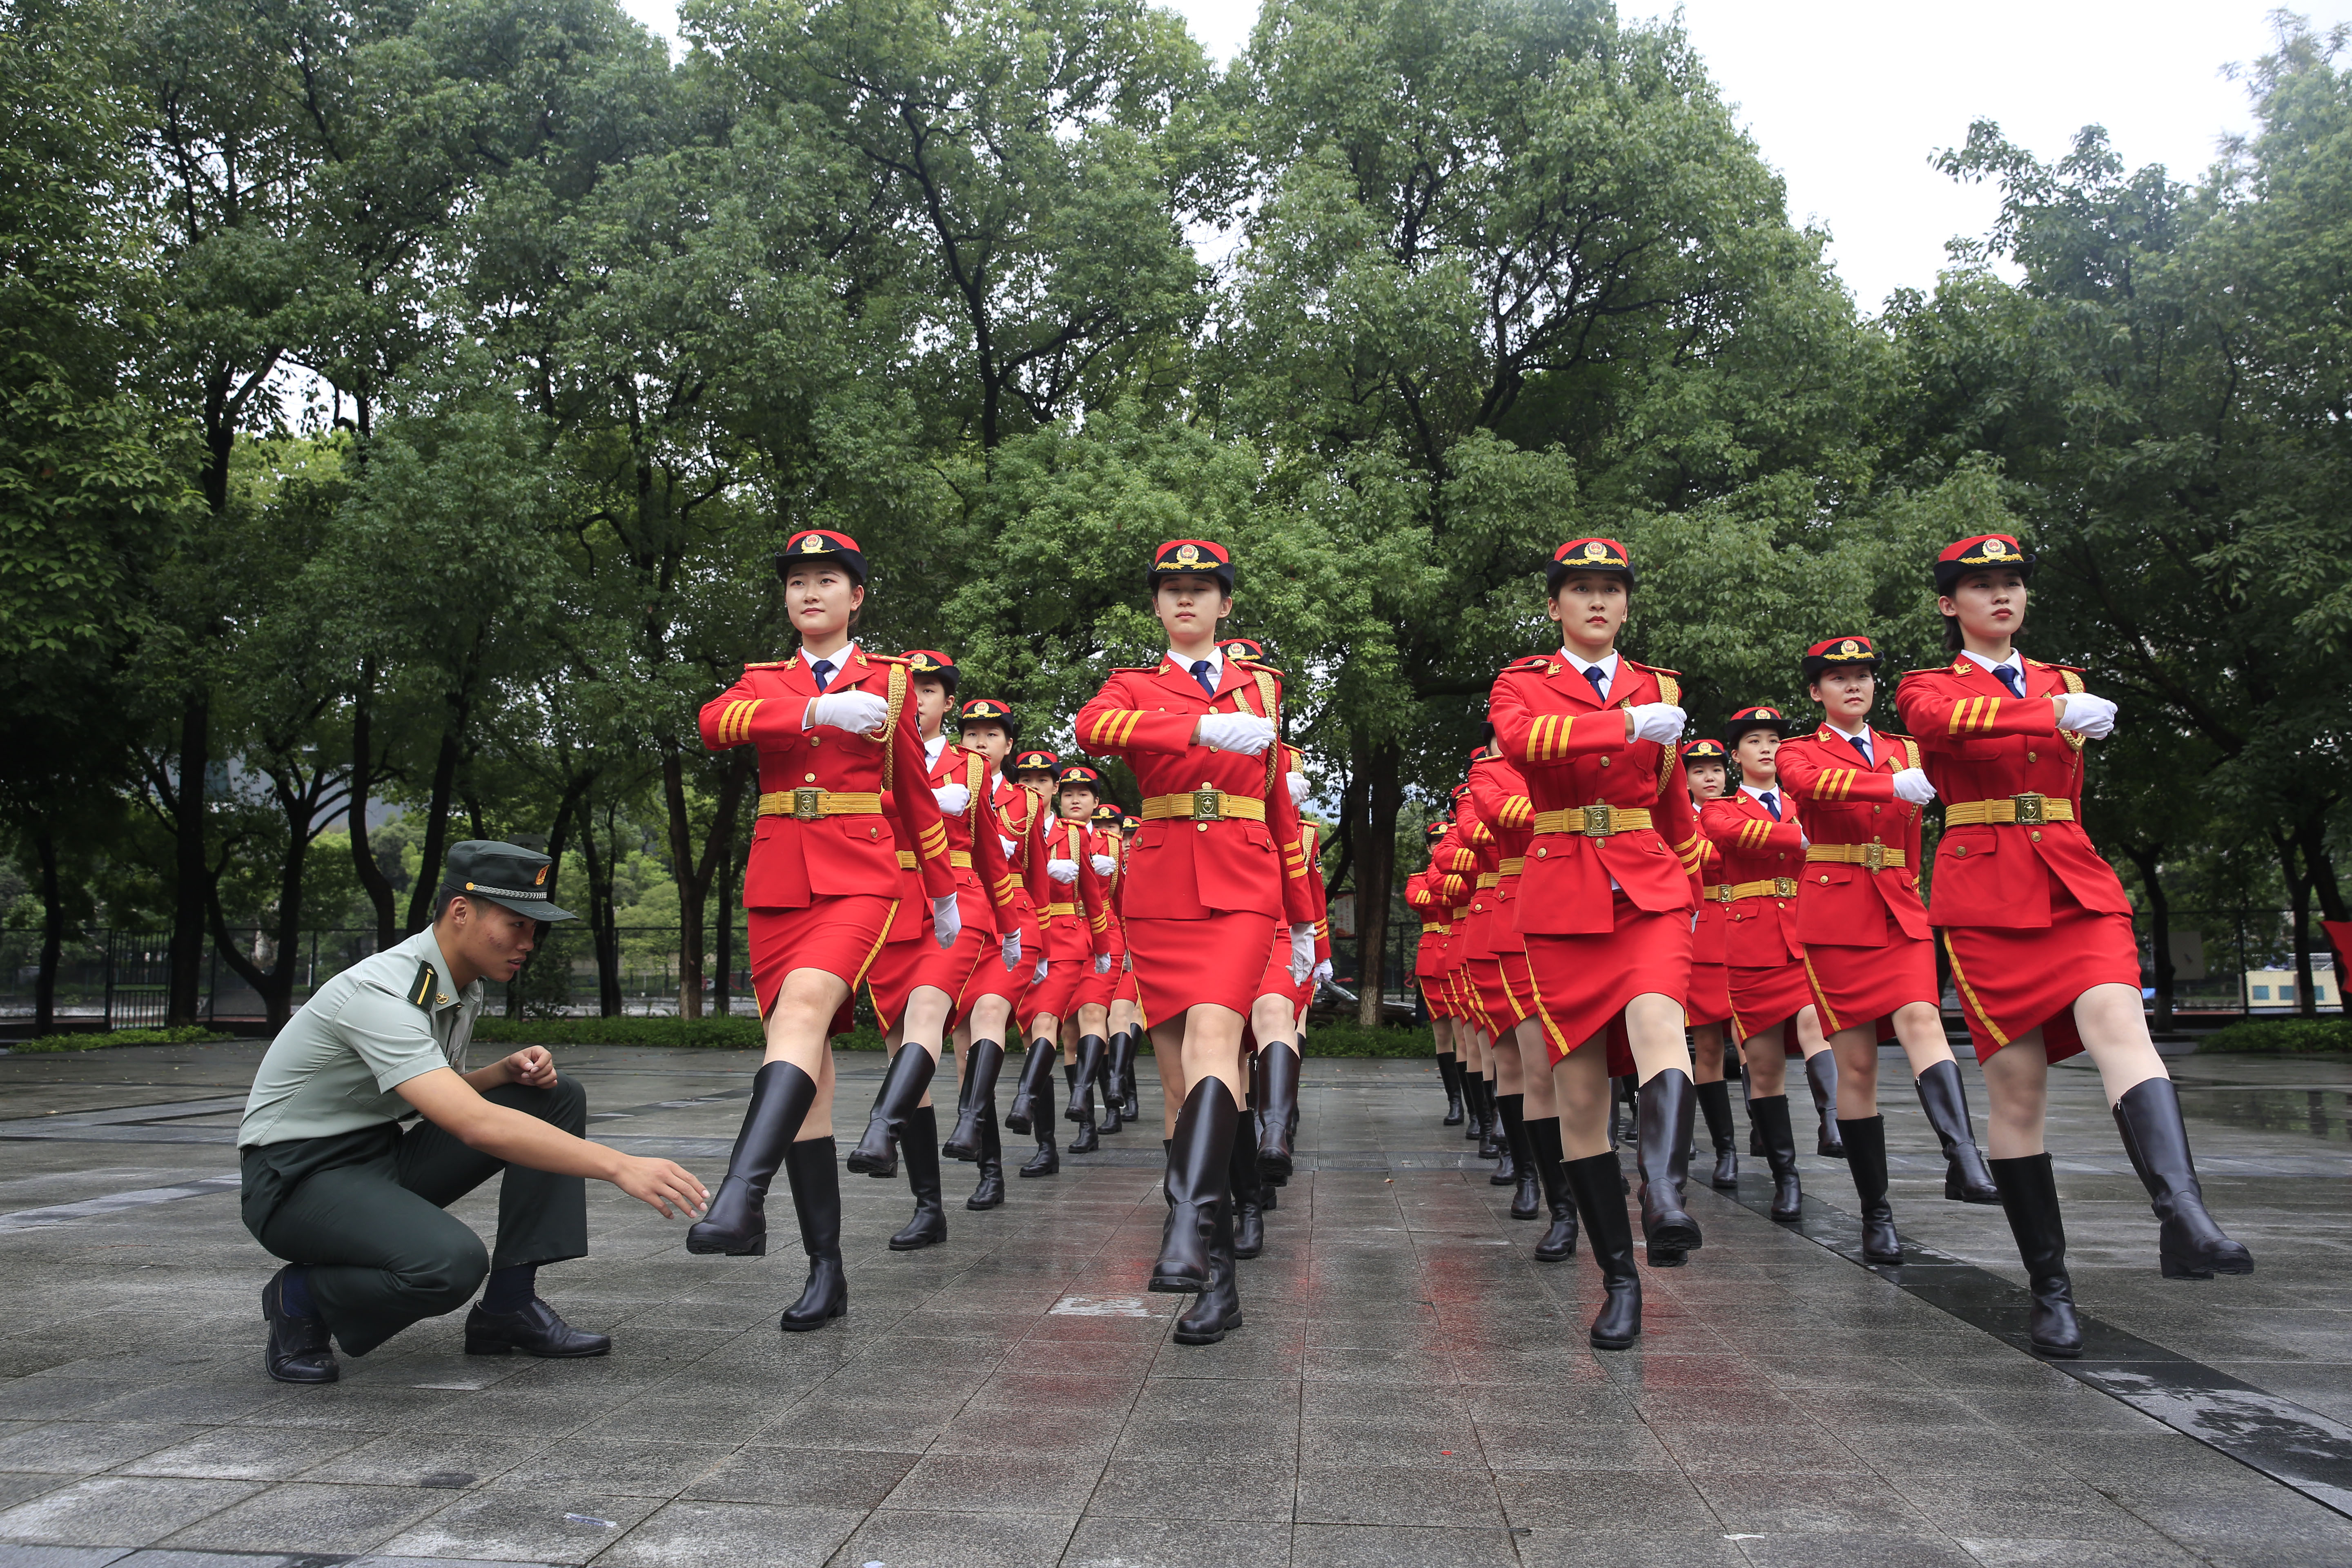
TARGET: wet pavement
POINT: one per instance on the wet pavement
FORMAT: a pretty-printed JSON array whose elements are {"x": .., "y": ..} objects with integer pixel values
[{"x": 1409, "y": 1387}]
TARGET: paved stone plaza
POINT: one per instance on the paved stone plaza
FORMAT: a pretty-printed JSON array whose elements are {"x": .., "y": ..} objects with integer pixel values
[{"x": 1409, "y": 1387}]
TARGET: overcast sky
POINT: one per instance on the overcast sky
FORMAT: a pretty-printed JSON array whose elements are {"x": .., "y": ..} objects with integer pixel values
[{"x": 1849, "y": 98}]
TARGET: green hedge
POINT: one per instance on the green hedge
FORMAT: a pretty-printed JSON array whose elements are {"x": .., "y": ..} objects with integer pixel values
[
  {"x": 2285, "y": 1037},
  {"x": 188, "y": 1035},
  {"x": 1350, "y": 1039},
  {"x": 728, "y": 1034}
]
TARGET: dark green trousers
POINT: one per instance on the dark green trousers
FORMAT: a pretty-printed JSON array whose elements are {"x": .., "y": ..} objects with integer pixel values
[{"x": 363, "y": 1210}]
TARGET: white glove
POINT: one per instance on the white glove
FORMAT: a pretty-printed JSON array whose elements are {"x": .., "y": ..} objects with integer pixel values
[
  {"x": 1011, "y": 951},
  {"x": 1660, "y": 722},
  {"x": 1911, "y": 785},
  {"x": 1243, "y": 733},
  {"x": 1298, "y": 787},
  {"x": 1011, "y": 848},
  {"x": 1104, "y": 865},
  {"x": 1063, "y": 871},
  {"x": 952, "y": 798},
  {"x": 1322, "y": 972},
  {"x": 2092, "y": 718},
  {"x": 859, "y": 713},
  {"x": 1102, "y": 963},
  {"x": 1039, "y": 978},
  {"x": 1302, "y": 951},
  {"x": 947, "y": 922}
]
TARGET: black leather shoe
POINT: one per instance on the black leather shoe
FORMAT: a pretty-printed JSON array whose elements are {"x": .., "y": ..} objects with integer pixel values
[
  {"x": 1045, "y": 1162},
  {"x": 1217, "y": 1311},
  {"x": 534, "y": 1331},
  {"x": 299, "y": 1350}
]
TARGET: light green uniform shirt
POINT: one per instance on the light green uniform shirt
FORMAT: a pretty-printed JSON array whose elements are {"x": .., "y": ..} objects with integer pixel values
[{"x": 334, "y": 1066}]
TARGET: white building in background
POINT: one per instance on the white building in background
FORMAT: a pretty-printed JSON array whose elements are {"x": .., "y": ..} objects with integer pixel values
[{"x": 2274, "y": 989}]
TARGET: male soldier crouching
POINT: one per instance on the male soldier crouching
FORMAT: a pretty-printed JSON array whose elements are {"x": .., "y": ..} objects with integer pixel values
[{"x": 355, "y": 1204}]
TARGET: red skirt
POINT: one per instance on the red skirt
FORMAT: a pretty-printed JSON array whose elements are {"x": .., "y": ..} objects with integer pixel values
[
  {"x": 1180, "y": 964},
  {"x": 1094, "y": 990},
  {"x": 1583, "y": 981},
  {"x": 1434, "y": 998},
  {"x": 1853, "y": 986},
  {"x": 905, "y": 966},
  {"x": 1710, "y": 994},
  {"x": 1764, "y": 999},
  {"x": 1125, "y": 991},
  {"x": 2012, "y": 982},
  {"x": 840, "y": 935},
  {"x": 1502, "y": 1008},
  {"x": 991, "y": 978},
  {"x": 1276, "y": 980},
  {"x": 1519, "y": 983},
  {"x": 1058, "y": 992}
]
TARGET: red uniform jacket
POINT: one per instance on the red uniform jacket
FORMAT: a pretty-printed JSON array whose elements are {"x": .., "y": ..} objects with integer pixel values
[
  {"x": 1507, "y": 811},
  {"x": 1762, "y": 927},
  {"x": 1191, "y": 871},
  {"x": 1484, "y": 876},
  {"x": 1570, "y": 747},
  {"x": 1710, "y": 932},
  {"x": 1981, "y": 743},
  {"x": 984, "y": 883},
  {"x": 1845, "y": 801},
  {"x": 1078, "y": 918},
  {"x": 793, "y": 862},
  {"x": 1311, "y": 850}
]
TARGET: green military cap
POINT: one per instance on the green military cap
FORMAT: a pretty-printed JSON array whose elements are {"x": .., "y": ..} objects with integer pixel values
[{"x": 508, "y": 875}]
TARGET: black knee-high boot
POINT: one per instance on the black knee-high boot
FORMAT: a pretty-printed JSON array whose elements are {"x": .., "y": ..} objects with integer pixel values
[
  {"x": 817, "y": 1199},
  {"x": 876, "y": 1154},
  {"x": 1114, "y": 1104},
  {"x": 2190, "y": 1245},
  {"x": 1865, "y": 1156},
  {"x": 990, "y": 1191},
  {"x": 1661, "y": 1153},
  {"x": 1747, "y": 1099},
  {"x": 1047, "y": 1160},
  {"x": 982, "y": 1061},
  {"x": 1559, "y": 1242},
  {"x": 1449, "y": 1067},
  {"x": 1946, "y": 1100},
  {"x": 1769, "y": 1114},
  {"x": 1821, "y": 1076},
  {"x": 2029, "y": 1196},
  {"x": 1034, "y": 1081},
  {"x": 929, "y": 1226},
  {"x": 1248, "y": 1188},
  {"x": 1088, "y": 1139},
  {"x": 1594, "y": 1183},
  {"x": 736, "y": 1222},
  {"x": 1217, "y": 1311},
  {"x": 1199, "y": 1157},
  {"x": 1490, "y": 1132},
  {"x": 1474, "y": 1092},
  {"x": 1278, "y": 1110},
  {"x": 1092, "y": 1048},
  {"x": 1715, "y": 1104},
  {"x": 1129, "y": 1106},
  {"x": 1527, "y": 1200}
]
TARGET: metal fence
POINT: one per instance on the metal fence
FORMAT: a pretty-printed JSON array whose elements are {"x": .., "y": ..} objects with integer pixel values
[{"x": 2238, "y": 964}]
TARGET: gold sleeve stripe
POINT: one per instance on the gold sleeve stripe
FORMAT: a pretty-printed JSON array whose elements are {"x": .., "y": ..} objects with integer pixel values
[{"x": 734, "y": 725}]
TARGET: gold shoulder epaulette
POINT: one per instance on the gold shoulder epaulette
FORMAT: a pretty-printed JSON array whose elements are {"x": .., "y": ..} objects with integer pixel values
[
  {"x": 1654, "y": 669},
  {"x": 767, "y": 663},
  {"x": 2045, "y": 664},
  {"x": 1258, "y": 665},
  {"x": 1135, "y": 670},
  {"x": 888, "y": 658}
]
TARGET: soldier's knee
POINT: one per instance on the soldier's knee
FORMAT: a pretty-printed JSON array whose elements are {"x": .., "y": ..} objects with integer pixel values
[
  {"x": 447, "y": 1278},
  {"x": 567, "y": 1104}
]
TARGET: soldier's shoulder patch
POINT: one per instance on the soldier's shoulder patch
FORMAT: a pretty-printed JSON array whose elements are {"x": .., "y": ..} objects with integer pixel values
[{"x": 421, "y": 989}]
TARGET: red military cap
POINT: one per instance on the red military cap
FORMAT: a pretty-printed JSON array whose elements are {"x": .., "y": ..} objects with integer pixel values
[
  {"x": 1840, "y": 653},
  {"x": 1109, "y": 814},
  {"x": 1588, "y": 555},
  {"x": 1758, "y": 718},
  {"x": 1035, "y": 762},
  {"x": 1704, "y": 751},
  {"x": 822, "y": 544},
  {"x": 930, "y": 661},
  {"x": 1433, "y": 831},
  {"x": 1977, "y": 552},
  {"x": 1242, "y": 648},
  {"x": 989, "y": 711},
  {"x": 1193, "y": 558},
  {"x": 1079, "y": 773}
]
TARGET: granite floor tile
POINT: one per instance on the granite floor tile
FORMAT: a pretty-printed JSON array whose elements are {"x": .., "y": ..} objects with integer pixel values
[
  {"x": 1134, "y": 1489},
  {"x": 86, "y": 1447},
  {"x": 1367, "y": 1495},
  {"x": 696, "y": 1533},
  {"x": 1111, "y": 1542},
  {"x": 236, "y": 1454},
  {"x": 909, "y": 1538},
  {"x": 802, "y": 1477},
  {"x": 1388, "y": 1546},
  {"x": 1000, "y": 1483},
  {"x": 305, "y": 1518},
  {"x": 119, "y": 1510},
  {"x": 511, "y": 1527}
]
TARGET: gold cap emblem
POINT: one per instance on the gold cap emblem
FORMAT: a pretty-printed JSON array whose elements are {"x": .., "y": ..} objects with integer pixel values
[
  {"x": 1996, "y": 548},
  {"x": 1849, "y": 648},
  {"x": 812, "y": 545},
  {"x": 1188, "y": 553},
  {"x": 1594, "y": 550},
  {"x": 540, "y": 880}
]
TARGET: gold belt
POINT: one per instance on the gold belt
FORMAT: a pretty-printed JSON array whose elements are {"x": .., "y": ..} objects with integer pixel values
[
  {"x": 1719, "y": 892},
  {"x": 959, "y": 858},
  {"x": 809, "y": 804},
  {"x": 1490, "y": 878},
  {"x": 1770, "y": 888},
  {"x": 1069, "y": 909},
  {"x": 1434, "y": 928},
  {"x": 1871, "y": 856},
  {"x": 1514, "y": 865},
  {"x": 1203, "y": 805},
  {"x": 1598, "y": 821},
  {"x": 2026, "y": 810}
]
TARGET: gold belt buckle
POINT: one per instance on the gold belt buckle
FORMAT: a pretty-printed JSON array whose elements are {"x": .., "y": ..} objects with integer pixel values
[
  {"x": 1600, "y": 820},
  {"x": 1723, "y": 894},
  {"x": 2028, "y": 809},
  {"x": 1208, "y": 805},
  {"x": 1873, "y": 857},
  {"x": 1784, "y": 887},
  {"x": 808, "y": 804}
]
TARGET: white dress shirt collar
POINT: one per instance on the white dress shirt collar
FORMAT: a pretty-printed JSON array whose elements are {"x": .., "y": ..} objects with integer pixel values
[
  {"x": 839, "y": 657},
  {"x": 1215, "y": 656},
  {"x": 2014, "y": 661},
  {"x": 1606, "y": 664}
]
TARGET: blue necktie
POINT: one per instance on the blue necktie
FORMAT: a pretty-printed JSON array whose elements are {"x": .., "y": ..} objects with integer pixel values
[
  {"x": 2010, "y": 679},
  {"x": 1862, "y": 745},
  {"x": 1771, "y": 804},
  {"x": 1201, "y": 673},
  {"x": 1599, "y": 682},
  {"x": 823, "y": 670}
]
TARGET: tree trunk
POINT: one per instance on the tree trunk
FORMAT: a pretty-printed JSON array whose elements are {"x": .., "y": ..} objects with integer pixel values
[
  {"x": 600, "y": 917},
  {"x": 2160, "y": 931},
  {"x": 436, "y": 827},
  {"x": 372, "y": 882},
  {"x": 53, "y": 932},
  {"x": 693, "y": 874},
  {"x": 723, "y": 955},
  {"x": 558, "y": 832},
  {"x": 2298, "y": 889},
  {"x": 2312, "y": 838},
  {"x": 1374, "y": 843},
  {"x": 190, "y": 880}
]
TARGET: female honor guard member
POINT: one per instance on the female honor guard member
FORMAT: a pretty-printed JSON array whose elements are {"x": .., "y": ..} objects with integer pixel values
[
  {"x": 1605, "y": 905},
  {"x": 1763, "y": 848},
  {"x": 1868, "y": 952},
  {"x": 1120, "y": 1013},
  {"x": 992, "y": 997},
  {"x": 2038, "y": 927},
  {"x": 1215, "y": 870},
  {"x": 1428, "y": 970},
  {"x": 836, "y": 733},
  {"x": 1032, "y": 1109},
  {"x": 1707, "y": 1009},
  {"x": 1078, "y": 851},
  {"x": 915, "y": 982}
]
